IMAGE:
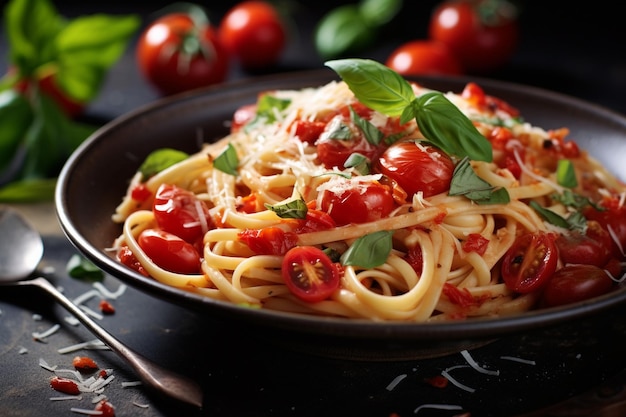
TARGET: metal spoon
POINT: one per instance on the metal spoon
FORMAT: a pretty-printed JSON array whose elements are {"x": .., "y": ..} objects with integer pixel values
[{"x": 21, "y": 250}]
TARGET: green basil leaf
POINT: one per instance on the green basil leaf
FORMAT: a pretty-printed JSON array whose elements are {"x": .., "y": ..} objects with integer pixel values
[
  {"x": 32, "y": 27},
  {"x": 267, "y": 106},
  {"x": 372, "y": 134},
  {"x": 550, "y": 216},
  {"x": 295, "y": 209},
  {"x": 340, "y": 131},
  {"x": 28, "y": 190},
  {"x": 379, "y": 12},
  {"x": 159, "y": 160},
  {"x": 467, "y": 183},
  {"x": 446, "y": 126},
  {"x": 375, "y": 85},
  {"x": 80, "y": 267},
  {"x": 228, "y": 160},
  {"x": 577, "y": 201},
  {"x": 565, "y": 174},
  {"x": 16, "y": 115},
  {"x": 342, "y": 30},
  {"x": 359, "y": 162},
  {"x": 369, "y": 251}
]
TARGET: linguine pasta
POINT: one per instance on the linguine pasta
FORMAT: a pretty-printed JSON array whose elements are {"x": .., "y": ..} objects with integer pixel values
[{"x": 446, "y": 254}]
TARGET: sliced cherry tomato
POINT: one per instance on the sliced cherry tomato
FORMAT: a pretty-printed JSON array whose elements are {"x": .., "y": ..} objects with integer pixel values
[
  {"x": 574, "y": 283},
  {"x": 423, "y": 57},
  {"x": 416, "y": 167},
  {"x": 359, "y": 202},
  {"x": 530, "y": 262},
  {"x": 310, "y": 274},
  {"x": 254, "y": 33},
  {"x": 268, "y": 241},
  {"x": 309, "y": 131},
  {"x": 592, "y": 248},
  {"x": 177, "y": 53},
  {"x": 169, "y": 251},
  {"x": 482, "y": 37},
  {"x": 180, "y": 212},
  {"x": 613, "y": 220}
]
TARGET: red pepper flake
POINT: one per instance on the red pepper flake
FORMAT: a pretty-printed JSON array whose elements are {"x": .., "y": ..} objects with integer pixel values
[
  {"x": 102, "y": 374},
  {"x": 84, "y": 364},
  {"x": 106, "y": 307},
  {"x": 64, "y": 385},
  {"x": 437, "y": 381},
  {"x": 106, "y": 408}
]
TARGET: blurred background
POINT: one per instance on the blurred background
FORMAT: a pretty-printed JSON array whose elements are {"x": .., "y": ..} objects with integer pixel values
[{"x": 577, "y": 49}]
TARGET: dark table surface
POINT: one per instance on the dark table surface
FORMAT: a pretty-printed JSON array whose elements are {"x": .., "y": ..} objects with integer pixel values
[{"x": 575, "y": 369}]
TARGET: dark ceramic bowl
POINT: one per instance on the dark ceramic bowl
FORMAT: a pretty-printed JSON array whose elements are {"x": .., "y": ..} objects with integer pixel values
[{"x": 95, "y": 178}]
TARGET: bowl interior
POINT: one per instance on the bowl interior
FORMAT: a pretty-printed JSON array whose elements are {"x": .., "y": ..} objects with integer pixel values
[{"x": 95, "y": 178}]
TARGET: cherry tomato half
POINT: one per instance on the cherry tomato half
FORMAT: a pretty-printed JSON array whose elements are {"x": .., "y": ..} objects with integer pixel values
[
  {"x": 180, "y": 212},
  {"x": 530, "y": 262},
  {"x": 360, "y": 203},
  {"x": 416, "y": 167},
  {"x": 169, "y": 251},
  {"x": 175, "y": 54},
  {"x": 613, "y": 220},
  {"x": 423, "y": 57},
  {"x": 574, "y": 283},
  {"x": 254, "y": 33},
  {"x": 310, "y": 274},
  {"x": 481, "y": 36}
]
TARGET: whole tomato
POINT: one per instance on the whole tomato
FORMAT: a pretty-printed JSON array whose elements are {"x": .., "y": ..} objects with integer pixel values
[
  {"x": 483, "y": 34},
  {"x": 254, "y": 33},
  {"x": 180, "y": 52},
  {"x": 423, "y": 57}
]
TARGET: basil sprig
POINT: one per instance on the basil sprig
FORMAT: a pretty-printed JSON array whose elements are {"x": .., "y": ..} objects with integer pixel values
[
  {"x": 442, "y": 123},
  {"x": 369, "y": 251},
  {"x": 295, "y": 209},
  {"x": 466, "y": 182}
]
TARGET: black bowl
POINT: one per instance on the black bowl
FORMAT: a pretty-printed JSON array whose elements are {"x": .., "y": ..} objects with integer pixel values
[{"x": 96, "y": 176}]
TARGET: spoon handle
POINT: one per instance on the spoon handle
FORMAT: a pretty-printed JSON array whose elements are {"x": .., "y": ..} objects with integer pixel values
[{"x": 152, "y": 374}]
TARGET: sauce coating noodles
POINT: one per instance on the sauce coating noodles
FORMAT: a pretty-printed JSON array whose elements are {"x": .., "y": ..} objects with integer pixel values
[{"x": 447, "y": 250}]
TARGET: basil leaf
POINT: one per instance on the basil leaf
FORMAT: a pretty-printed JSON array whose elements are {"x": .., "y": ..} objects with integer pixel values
[
  {"x": 371, "y": 132},
  {"x": 382, "y": 89},
  {"x": 565, "y": 174},
  {"x": 295, "y": 209},
  {"x": 82, "y": 268},
  {"x": 159, "y": 160},
  {"x": 28, "y": 190},
  {"x": 550, "y": 216},
  {"x": 342, "y": 30},
  {"x": 369, "y": 251},
  {"x": 571, "y": 199},
  {"x": 32, "y": 27},
  {"x": 375, "y": 85},
  {"x": 340, "y": 131},
  {"x": 227, "y": 161},
  {"x": 466, "y": 182},
  {"x": 379, "y": 12},
  {"x": 446, "y": 126},
  {"x": 359, "y": 162}
]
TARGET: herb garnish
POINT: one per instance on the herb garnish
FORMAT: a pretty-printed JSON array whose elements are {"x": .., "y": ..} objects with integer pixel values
[
  {"x": 159, "y": 160},
  {"x": 369, "y": 251},
  {"x": 442, "y": 123},
  {"x": 466, "y": 182},
  {"x": 227, "y": 161},
  {"x": 295, "y": 209}
]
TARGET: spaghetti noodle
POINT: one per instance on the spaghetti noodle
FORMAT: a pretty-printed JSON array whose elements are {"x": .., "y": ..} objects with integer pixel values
[{"x": 270, "y": 186}]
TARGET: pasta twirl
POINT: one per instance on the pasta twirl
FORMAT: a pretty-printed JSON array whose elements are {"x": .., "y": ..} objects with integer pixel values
[{"x": 447, "y": 251}]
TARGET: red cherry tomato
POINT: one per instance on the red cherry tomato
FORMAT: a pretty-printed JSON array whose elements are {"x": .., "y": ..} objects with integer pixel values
[
  {"x": 423, "y": 57},
  {"x": 180, "y": 212},
  {"x": 315, "y": 221},
  {"x": 530, "y": 262},
  {"x": 268, "y": 241},
  {"x": 310, "y": 274},
  {"x": 169, "y": 251},
  {"x": 254, "y": 33},
  {"x": 175, "y": 54},
  {"x": 481, "y": 36},
  {"x": 574, "y": 283},
  {"x": 592, "y": 248},
  {"x": 416, "y": 167},
  {"x": 335, "y": 152},
  {"x": 106, "y": 408},
  {"x": 360, "y": 203},
  {"x": 613, "y": 220}
]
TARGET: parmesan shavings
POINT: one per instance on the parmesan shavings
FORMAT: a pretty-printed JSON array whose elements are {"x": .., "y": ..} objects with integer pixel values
[
  {"x": 110, "y": 294},
  {"x": 437, "y": 407},
  {"x": 446, "y": 373},
  {"x": 140, "y": 405},
  {"x": 86, "y": 412},
  {"x": 40, "y": 336},
  {"x": 395, "y": 382},
  {"x": 520, "y": 360},
  {"x": 92, "y": 344},
  {"x": 127, "y": 384},
  {"x": 475, "y": 365},
  {"x": 46, "y": 366},
  {"x": 66, "y": 397}
]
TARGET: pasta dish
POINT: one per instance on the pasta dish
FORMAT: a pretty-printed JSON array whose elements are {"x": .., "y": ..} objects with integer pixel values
[{"x": 377, "y": 198}]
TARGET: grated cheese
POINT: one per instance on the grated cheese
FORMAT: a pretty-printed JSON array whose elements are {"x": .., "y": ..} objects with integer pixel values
[
  {"x": 395, "y": 382},
  {"x": 475, "y": 365},
  {"x": 40, "y": 336}
]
